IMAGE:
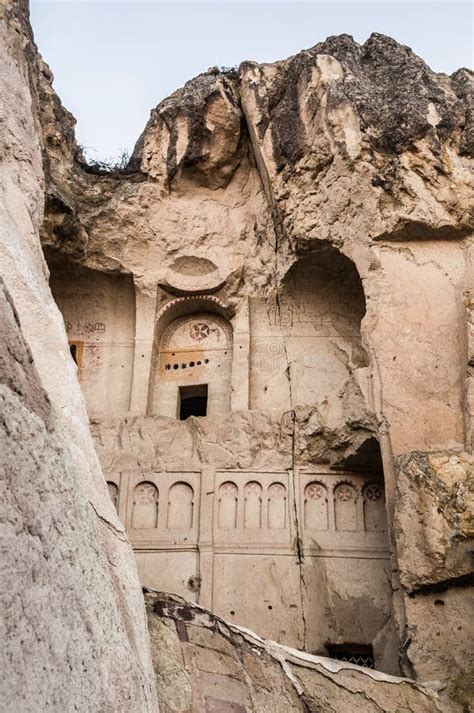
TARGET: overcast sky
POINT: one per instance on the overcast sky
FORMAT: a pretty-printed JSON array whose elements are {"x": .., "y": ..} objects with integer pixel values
[{"x": 115, "y": 60}]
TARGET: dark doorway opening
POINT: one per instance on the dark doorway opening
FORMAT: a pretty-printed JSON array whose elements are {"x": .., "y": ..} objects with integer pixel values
[
  {"x": 192, "y": 401},
  {"x": 360, "y": 654},
  {"x": 367, "y": 459},
  {"x": 73, "y": 350}
]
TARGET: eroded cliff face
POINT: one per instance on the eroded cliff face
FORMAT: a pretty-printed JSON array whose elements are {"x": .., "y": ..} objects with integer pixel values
[
  {"x": 73, "y": 626},
  {"x": 318, "y": 207},
  {"x": 360, "y": 146}
]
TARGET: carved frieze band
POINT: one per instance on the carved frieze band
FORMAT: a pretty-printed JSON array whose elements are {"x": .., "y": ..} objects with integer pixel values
[
  {"x": 249, "y": 507},
  {"x": 331, "y": 504}
]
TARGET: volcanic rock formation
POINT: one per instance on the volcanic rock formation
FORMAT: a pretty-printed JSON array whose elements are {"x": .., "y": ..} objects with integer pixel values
[{"x": 270, "y": 314}]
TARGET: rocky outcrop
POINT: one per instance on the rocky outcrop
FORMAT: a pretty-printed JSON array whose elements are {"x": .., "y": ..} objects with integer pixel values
[
  {"x": 68, "y": 595},
  {"x": 203, "y": 663},
  {"x": 356, "y": 147},
  {"x": 433, "y": 521},
  {"x": 360, "y": 146},
  {"x": 434, "y": 535},
  {"x": 355, "y": 157},
  {"x": 371, "y": 122},
  {"x": 73, "y": 627}
]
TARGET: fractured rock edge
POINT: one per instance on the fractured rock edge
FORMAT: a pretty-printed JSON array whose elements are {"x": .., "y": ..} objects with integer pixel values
[{"x": 249, "y": 667}]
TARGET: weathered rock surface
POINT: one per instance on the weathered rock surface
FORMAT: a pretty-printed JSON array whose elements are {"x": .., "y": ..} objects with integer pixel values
[
  {"x": 438, "y": 640},
  {"x": 433, "y": 522},
  {"x": 203, "y": 663},
  {"x": 73, "y": 626},
  {"x": 359, "y": 148},
  {"x": 209, "y": 166},
  {"x": 433, "y": 528},
  {"x": 72, "y": 633},
  {"x": 322, "y": 206}
]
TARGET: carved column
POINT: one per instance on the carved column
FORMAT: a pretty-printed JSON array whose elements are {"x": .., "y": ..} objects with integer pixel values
[
  {"x": 206, "y": 537},
  {"x": 240, "y": 365},
  {"x": 145, "y": 305}
]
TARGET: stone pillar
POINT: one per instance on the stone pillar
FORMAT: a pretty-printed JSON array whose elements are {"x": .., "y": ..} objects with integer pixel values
[
  {"x": 240, "y": 365},
  {"x": 206, "y": 537},
  {"x": 145, "y": 307}
]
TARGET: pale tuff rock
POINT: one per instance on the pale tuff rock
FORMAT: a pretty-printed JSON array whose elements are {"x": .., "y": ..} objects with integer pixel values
[
  {"x": 434, "y": 523},
  {"x": 314, "y": 214},
  {"x": 434, "y": 532},
  {"x": 203, "y": 663},
  {"x": 72, "y": 628},
  {"x": 288, "y": 250},
  {"x": 72, "y": 632}
]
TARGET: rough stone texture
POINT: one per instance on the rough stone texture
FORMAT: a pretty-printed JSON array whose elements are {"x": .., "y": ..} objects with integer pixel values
[
  {"x": 70, "y": 638},
  {"x": 408, "y": 221},
  {"x": 434, "y": 524},
  {"x": 73, "y": 626},
  {"x": 321, "y": 206},
  {"x": 314, "y": 214},
  {"x": 439, "y": 640},
  {"x": 433, "y": 528},
  {"x": 204, "y": 664}
]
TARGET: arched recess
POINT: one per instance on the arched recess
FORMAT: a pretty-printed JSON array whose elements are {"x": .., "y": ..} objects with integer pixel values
[
  {"x": 345, "y": 507},
  {"x": 253, "y": 505},
  {"x": 375, "y": 516},
  {"x": 192, "y": 359},
  {"x": 113, "y": 493},
  {"x": 99, "y": 316},
  {"x": 316, "y": 506},
  {"x": 180, "y": 506},
  {"x": 313, "y": 334},
  {"x": 367, "y": 460},
  {"x": 227, "y": 506},
  {"x": 145, "y": 506},
  {"x": 277, "y": 506},
  {"x": 359, "y": 521}
]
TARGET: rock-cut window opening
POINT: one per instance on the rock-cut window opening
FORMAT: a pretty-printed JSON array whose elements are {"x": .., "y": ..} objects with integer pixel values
[
  {"x": 192, "y": 401},
  {"x": 192, "y": 368},
  {"x": 360, "y": 654}
]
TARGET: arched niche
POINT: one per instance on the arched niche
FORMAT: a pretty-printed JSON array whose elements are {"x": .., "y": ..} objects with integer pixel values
[
  {"x": 113, "y": 493},
  {"x": 145, "y": 506},
  {"x": 367, "y": 461},
  {"x": 311, "y": 334},
  {"x": 316, "y": 506},
  {"x": 192, "y": 361},
  {"x": 345, "y": 507},
  {"x": 375, "y": 516},
  {"x": 277, "y": 506},
  {"x": 253, "y": 505},
  {"x": 227, "y": 506},
  {"x": 180, "y": 506}
]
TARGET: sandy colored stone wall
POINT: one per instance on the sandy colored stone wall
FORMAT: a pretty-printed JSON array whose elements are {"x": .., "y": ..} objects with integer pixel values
[
  {"x": 100, "y": 326},
  {"x": 353, "y": 160},
  {"x": 73, "y": 628},
  {"x": 433, "y": 526},
  {"x": 306, "y": 568}
]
